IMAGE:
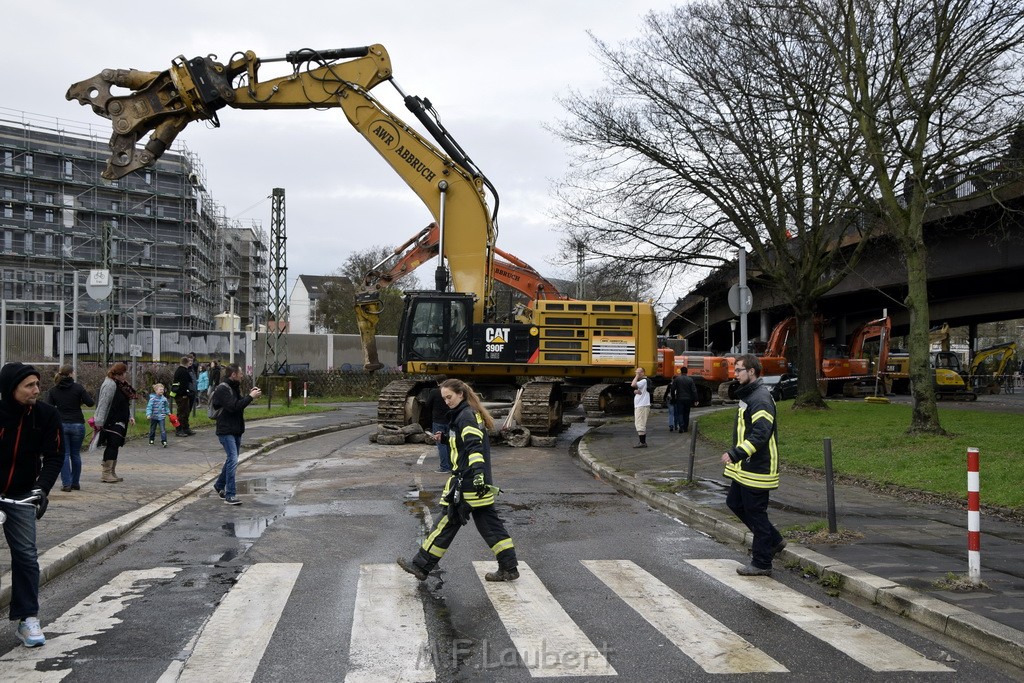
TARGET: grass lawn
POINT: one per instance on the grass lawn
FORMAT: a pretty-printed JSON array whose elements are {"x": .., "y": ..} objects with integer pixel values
[{"x": 869, "y": 441}]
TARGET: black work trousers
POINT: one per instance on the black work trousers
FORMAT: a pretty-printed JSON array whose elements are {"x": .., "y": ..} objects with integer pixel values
[
  {"x": 751, "y": 506},
  {"x": 491, "y": 529},
  {"x": 184, "y": 404}
]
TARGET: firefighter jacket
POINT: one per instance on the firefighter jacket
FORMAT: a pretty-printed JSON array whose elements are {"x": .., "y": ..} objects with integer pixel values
[
  {"x": 755, "y": 457},
  {"x": 470, "y": 450}
]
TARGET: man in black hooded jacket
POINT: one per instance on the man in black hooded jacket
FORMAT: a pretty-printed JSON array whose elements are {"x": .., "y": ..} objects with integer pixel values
[{"x": 31, "y": 455}]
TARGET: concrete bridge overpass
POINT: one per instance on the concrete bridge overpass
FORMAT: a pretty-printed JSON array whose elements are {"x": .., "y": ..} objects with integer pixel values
[{"x": 975, "y": 275}]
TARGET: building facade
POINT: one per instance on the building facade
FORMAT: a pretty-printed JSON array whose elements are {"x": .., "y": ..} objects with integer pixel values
[{"x": 167, "y": 244}]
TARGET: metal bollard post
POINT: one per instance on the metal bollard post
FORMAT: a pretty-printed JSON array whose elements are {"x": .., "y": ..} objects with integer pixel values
[
  {"x": 830, "y": 490},
  {"x": 693, "y": 450},
  {"x": 973, "y": 516}
]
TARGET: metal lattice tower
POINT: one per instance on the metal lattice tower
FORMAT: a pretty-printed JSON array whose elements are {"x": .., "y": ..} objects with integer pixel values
[
  {"x": 277, "y": 341},
  {"x": 581, "y": 270}
]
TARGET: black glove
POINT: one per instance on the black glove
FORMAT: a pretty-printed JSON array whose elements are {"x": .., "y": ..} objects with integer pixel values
[
  {"x": 41, "y": 502},
  {"x": 480, "y": 485}
]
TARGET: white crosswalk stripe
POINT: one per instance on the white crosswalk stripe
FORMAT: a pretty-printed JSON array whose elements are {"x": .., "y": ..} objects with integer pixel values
[
  {"x": 233, "y": 641},
  {"x": 390, "y": 640},
  {"x": 389, "y": 630},
  {"x": 874, "y": 650},
  {"x": 701, "y": 637},
  {"x": 548, "y": 640},
  {"x": 79, "y": 626}
]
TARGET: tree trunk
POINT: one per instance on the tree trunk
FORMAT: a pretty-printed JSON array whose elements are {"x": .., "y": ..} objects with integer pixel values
[
  {"x": 808, "y": 363},
  {"x": 925, "y": 414}
]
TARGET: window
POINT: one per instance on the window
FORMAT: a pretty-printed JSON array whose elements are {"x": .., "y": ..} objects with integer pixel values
[
  {"x": 147, "y": 251},
  {"x": 68, "y": 244},
  {"x": 48, "y": 216},
  {"x": 149, "y": 177},
  {"x": 30, "y": 195},
  {"x": 69, "y": 168},
  {"x": 8, "y": 241},
  {"x": 148, "y": 210},
  {"x": 48, "y": 198},
  {"x": 29, "y": 213},
  {"x": 113, "y": 222},
  {"x": 29, "y": 162},
  {"x": 114, "y": 206},
  {"x": 8, "y": 211},
  {"x": 29, "y": 243},
  {"x": 48, "y": 248},
  {"x": 8, "y": 159},
  {"x": 8, "y": 193}
]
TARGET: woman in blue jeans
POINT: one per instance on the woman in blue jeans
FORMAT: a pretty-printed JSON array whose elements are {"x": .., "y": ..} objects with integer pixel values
[
  {"x": 68, "y": 397},
  {"x": 230, "y": 406}
]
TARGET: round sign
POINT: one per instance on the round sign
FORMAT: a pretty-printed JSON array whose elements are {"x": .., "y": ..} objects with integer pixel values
[
  {"x": 99, "y": 285},
  {"x": 735, "y": 300}
]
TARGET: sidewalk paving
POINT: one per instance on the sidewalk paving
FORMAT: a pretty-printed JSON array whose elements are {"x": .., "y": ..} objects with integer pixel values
[{"x": 906, "y": 545}]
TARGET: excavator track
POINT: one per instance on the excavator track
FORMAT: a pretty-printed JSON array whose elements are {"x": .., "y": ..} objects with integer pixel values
[
  {"x": 392, "y": 406},
  {"x": 541, "y": 408}
]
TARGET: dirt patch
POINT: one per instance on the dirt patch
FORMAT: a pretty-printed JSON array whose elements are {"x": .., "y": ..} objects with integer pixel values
[{"x": 823, "y": 537}]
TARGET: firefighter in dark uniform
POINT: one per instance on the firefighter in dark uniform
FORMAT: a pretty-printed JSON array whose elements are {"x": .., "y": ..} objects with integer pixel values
[
  {"x": 753, "y": 465},
  {"x": 469, "y": 491}
]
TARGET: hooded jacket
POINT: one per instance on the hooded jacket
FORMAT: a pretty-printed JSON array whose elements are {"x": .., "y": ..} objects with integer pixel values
[
  {"x": 31, "y": 449},
  {"x": 228, "y": 397},
  {"x": 470, "y": 448}
]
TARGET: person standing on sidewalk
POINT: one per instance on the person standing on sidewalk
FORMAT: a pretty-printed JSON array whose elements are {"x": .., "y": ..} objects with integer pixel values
[
  {"x": 68, "y": 397},
  {"x": 684, "y": 395},
  {"x": 181, "y": 391},
  {"x": 753, "y": 465},
  {"x": 202, "y": 385},
  {"x": 469, "y": 491},
  {"x": 214, "y": 379},
  {"x": 230, "y": 406},
  {"x": 113, "y": 417},
  {"x": 31, "y": 454},
  {"x": 641, "y": 406},
  {"x": 438, "y": 410},
  {"x": 157, "y": 410}
]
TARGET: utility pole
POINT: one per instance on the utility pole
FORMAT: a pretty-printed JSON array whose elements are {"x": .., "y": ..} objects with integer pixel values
[{"x": 106, "y": 321}]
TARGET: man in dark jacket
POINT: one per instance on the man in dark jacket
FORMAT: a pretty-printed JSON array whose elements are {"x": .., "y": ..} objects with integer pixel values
[
  {"x": 438, "y": 410},
  {"x": 753, "y": 465},
  {"x": 181, "y": 390},
  {"x": 228, "y": 400},
  {"x": 31, "y": 455},
  {"x": 682, "y": 395}
]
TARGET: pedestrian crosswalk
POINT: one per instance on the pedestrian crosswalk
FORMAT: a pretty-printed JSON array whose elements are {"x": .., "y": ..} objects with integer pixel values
[{"x": 391, "y": 638}]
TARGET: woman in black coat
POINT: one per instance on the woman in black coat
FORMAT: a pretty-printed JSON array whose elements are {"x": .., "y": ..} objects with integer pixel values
[{"x": 68, "y": 397}]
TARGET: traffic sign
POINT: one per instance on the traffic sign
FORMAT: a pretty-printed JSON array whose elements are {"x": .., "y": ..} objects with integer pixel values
[
  {"x": 135, "y": 350},
  {"x": 735, "y": 300},
  {"x": 99, "y": 285}
]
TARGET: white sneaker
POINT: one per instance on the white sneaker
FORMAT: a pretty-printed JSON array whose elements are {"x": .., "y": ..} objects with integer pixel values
[{"x": 29, "y": 632}]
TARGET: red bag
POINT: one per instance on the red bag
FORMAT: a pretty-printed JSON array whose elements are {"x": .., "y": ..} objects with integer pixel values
[{"x": 174, "y": 420}]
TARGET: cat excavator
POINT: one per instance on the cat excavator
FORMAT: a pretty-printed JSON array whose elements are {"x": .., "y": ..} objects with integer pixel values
[
  {"x": 571, "y": 352},
  {"x": 506, "y": 269}
]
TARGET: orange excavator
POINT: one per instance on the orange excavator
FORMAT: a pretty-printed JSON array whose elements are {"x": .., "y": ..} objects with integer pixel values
[
  {"x": 860, "y": 378},
  {"x": 505, "y": 268}
]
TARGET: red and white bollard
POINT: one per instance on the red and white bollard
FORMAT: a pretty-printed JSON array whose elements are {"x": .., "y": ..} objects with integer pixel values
[
  {"x": 305, "y": 393},
  {"x": 973, "y": 517}
]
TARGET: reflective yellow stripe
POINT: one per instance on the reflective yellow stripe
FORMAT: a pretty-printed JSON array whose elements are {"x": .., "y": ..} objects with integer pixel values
[
  {"x": 478, "y": 501},
  {"x": 762, "y": 414},
  {"x": 470, "y": 429},
  {"x": 428, "y": 542},
  {"x": 475, "y": 458},
  {"x": 747, "y": 448},
  {"x": 502, "y": 546}
]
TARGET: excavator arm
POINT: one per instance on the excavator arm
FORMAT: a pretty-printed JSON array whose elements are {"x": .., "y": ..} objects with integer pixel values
[
  {"x": 163, "y": 103},
  {"x": 508, "y": 269}
]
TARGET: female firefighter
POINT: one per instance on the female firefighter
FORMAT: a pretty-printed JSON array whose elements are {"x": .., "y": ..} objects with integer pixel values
[{"x": 468, "y": 491}]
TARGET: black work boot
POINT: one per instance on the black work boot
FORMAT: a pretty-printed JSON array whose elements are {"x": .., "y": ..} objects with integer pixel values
[
  {"x": 413, "y": 568},
  {"x": 502, "y": 575}
]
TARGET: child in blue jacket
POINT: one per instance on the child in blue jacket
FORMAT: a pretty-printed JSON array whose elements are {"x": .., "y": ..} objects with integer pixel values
[{"x": 157, "y": 411}]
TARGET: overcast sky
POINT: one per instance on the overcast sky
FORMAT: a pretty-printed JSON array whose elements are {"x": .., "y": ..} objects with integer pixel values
[{"x": 493, "y": 71}]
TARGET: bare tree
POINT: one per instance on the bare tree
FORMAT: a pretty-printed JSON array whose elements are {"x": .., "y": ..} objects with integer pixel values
[
  {"x": 335, "y": 309},
  {"x": 708, "y": 138},
  {"x": 935, "y": 88}
]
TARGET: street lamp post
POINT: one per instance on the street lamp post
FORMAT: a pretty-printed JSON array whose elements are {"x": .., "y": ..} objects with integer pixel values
[
  {"x": 231, "y": 284},
  {"x": 732, "y": 327}
]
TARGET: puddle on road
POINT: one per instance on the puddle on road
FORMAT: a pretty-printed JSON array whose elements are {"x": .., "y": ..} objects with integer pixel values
[{"x": 258, "y": 485}]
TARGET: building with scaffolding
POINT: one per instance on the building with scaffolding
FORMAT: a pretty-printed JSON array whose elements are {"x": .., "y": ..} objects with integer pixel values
[{"x": 167, "y": 244}]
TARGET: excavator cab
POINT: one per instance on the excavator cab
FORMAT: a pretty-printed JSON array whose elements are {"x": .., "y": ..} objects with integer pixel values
[{"x": 435, "y": 327}]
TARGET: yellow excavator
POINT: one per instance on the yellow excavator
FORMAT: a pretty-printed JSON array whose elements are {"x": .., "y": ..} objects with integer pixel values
[
  {"x": 947, "y": 370},
  {"x": 572, "y": 352},
  {"x": 988, "y": 368}
]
